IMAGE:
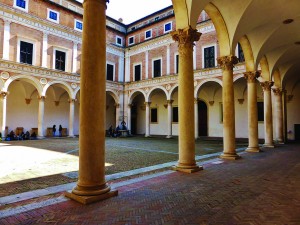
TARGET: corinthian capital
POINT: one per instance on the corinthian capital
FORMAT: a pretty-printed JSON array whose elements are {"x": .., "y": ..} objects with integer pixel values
[
  {"x": 277, "y": 91},
  {"x": 266, "y": 85},
  {"x": 227, "y": 62},
  {"x": 251, "y": 76}
]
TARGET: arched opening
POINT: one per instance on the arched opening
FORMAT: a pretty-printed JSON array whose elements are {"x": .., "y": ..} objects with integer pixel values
[
  {"x": 203, "y": 117},
  {"x": 138, "y": 115}
]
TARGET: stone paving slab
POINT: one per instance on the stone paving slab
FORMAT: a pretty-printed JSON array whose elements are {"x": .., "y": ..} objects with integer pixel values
[{"x": 260, "y": 188}]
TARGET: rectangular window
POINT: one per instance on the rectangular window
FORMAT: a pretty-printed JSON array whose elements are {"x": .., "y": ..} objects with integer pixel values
[
  {"x": 21, "y": 4},
  {"x": 240, "y": 53},
  {"x": 60, "y": 60},
  {"x": 153, "y": 116},
  {"x": 209, "y": 57},
  {"x": 26, "y": 50},
  {"x": 119, "y": 40},
  {"x": 78, "y": 25},
  {"x": 260, "y": 111},
  {"x": 137, "y": 72},
  {"x": 157, "y": 68},
  {"x": 110, "y": 72},
  {"x": 168, "y": 27},
  {"x": 53, "y": 16},
  {"x": 175, "y": 117},
  {"x": 131, "y": 40},
  {"x": 148, "y": 34},
  {"x": 177, "y": 64}
]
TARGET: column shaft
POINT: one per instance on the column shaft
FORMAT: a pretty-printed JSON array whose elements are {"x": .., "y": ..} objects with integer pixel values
[
  {"x": 44, "y": 51},
  {"x": 41, "y": 117},
  {"x": 147, "y": 132},
  {"x": 196, "y": 118},
  {"x": 71, "y": 118},
  {"x": 168, "y": 59},
  {"x": 6, "y": 38},
  {"x": 129, "y": 117},
  {"x": 117, "y": 114},
  {"x": 169, "y": 102},
  {"x": 74, "y": 59},
  {"x": 278, "y": 115},
  {"x": 3, "y": 113}
]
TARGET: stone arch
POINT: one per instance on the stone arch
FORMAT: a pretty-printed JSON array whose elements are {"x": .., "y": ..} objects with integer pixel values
[
  {"x": 276, "y": 78},
  {"x": 75, "y": 92},
  {"x": 61, "y": 84},
  {"x": 237, "y": 77},
  {"x": 114, "y": 95},
  {"x": 134, "y": 94},
  {"x": 265, "y": 72},
  {"x": 32, "y": 80},
  {"x": 248, "y": 53},
  {"x": 202, "y": 82},
  {"x": 152, "y": 91},
  {"x": 171, "y": 92}
]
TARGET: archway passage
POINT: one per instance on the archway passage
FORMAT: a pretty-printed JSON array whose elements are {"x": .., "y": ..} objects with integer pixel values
[{"x": 202, "y": 115}]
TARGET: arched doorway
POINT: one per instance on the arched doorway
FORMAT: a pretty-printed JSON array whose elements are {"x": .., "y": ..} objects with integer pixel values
[{"x": 202, "y": 115}]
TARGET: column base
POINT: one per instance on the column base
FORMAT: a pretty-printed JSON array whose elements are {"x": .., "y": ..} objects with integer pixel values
[
  {"x": 268, "y": 146},
  {"x": 169, "y": 136},
  {"x": 231, "y": 156},
  {"x": 253, "y": 149},
  {"x": 147, "y": 135},
  {"x": 71, "y": 136},
  {"x": 84, "y": 199},
  {"x": 187, "y": 170}
]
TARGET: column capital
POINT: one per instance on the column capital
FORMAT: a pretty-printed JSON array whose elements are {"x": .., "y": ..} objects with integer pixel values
[
  {"x": 170, "y": 102},
  {"x": 227, "y": 62},
  {"x": 185, "y": 38},
  {"x": 75, "y": 43},
  {"x": 42, "y": 98},
  {"x": 3, "y": 94},
  {"x": 117, "y": 105},
  {"x": 7, "y": 22},
  {"x": 266, "y": 85},
  {"x": 73, "y": 100},
  {"x": 277, "y": 91},
  {"x": 147, "y": 103},
  {"x": 251, "y": 76},
  {"x": 129, "y": 105},
  {"x": 196, "y": 100}
]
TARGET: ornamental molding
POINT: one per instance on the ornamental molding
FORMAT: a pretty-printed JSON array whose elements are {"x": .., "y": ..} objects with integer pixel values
[
  {"x": 5, "y": 75},
  {"x": 113, "y": 50}
]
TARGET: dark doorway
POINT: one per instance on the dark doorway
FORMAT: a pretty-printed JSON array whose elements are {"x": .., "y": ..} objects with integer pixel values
[
  {"x": 202, "y": 118},
  {"x": 133, "y": 118},
  {"x": 297, "y": 132}
]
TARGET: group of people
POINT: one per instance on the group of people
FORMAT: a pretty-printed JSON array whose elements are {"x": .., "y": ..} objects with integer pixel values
[
  {"x": 117, "y": 132},
  {"x": 22, "y": 136},
  {"x": 59, "y": 130}
]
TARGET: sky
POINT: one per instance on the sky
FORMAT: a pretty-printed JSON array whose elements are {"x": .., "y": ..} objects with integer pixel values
[{"x": 132, "y": 10}]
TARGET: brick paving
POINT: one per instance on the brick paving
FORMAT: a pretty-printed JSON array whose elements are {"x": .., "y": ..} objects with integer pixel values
[{"x": 260, "y": 188}]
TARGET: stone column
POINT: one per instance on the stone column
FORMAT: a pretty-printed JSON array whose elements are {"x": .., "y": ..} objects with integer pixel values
[
  {"x": 278, "y": 115},
  {"x": 227, "y": 63},
  {"x": 41, "y": 117},
  {"x": 196, "y": 118},
  {"x": 127, "y": 67},
  {"x": 91, "y": 185},
  {"x": 252, "y": 111},
  {"x": 268, "y": 118},
  {"x": 147, "y": 133},
  {"x": 168, "y": 59},
  {"x": 74, "y": 59},
  {"x": 45, "y": 49},
  {"x": 117, "y": 113},
  {"x": 3, "y": 99},
  {"x": 146, "y": 65},
  {"x": 129, "y": 117},
  {"x": 169, "y": 102},
  {"x": 186, "y": 38},
  {"x": 71, "y": 117},
  {"x": 6, "y": 38}
]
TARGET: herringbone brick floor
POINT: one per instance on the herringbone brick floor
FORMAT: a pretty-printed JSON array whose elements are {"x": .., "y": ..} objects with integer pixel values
[{"x": 261, "y": 188}]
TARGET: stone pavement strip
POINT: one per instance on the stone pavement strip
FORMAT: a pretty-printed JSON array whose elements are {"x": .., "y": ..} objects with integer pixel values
[{"x": 261, "y": 188}]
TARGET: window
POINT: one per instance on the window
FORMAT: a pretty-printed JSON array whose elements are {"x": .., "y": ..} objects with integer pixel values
[
  {"x": 240, "y": 53},
  {"x": 60, "y": 60},
  {"x": 131, "y": 40},
  {"x": 110, "y": 72},
  {"x": 78, "y": 25},
  {"x": 177, "y": 64},
  {"x": 209, "y": 57},
  {"x": 21, "y": 4},
  {"x": 148, "y": 34},
  {"x": 260, "y": 111},
  {"x": 119, "y": 40},
  {"x": 26, "y": 50},
  {"x": 157, "y": 68},
  {"x": 137, "y": 72},
  {"x": 175, "y": 118},
  {"x": 168, "y": 27},
  {"x": 53, "y": 16},
  {"x": 153, "y": 116}
]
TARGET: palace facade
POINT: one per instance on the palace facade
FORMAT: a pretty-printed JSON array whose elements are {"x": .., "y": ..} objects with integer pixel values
[{"x": 40, "y": 51}]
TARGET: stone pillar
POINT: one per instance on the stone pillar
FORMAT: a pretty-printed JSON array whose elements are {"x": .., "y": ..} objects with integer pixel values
[
  {"x": 168, "y": 59},
  {"x": 147, "y": 133},
  {"x": 129, "y": 117},
  {"x": 127, "y": 67},
  {"x": 71, "y": 117},
  {"x": 3, "y": 99},
  {"x": 74, "y": 59},
  {"x": 252, "y": 111},
  {"x": 268, "y": 118},
  {"x": 196, "y": 118},
  {"x": 45, "y": 49},
  {"x": 169, "y": 102},
  {"x": 195, "y": 58},
  {"x": 186, "y": 38},
  {"x": 41, "y": 117},
  {"x": 227, "y": 63},
  {"x": 6, "y": 38},
  {"x": 117, "y": 113},
  {"x": 91, "y": 185},
  {"x": 146, "y": 65},
  {"x": 121, "y": 69},
  {"x": 278, "y": 115}
]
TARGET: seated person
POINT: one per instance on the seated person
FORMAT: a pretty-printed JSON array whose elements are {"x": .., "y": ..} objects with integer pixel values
[
  {"x": 123, "y": 123},
  {"x": 27, "y": 136},
  {"x": 110, "y": 131},
  {"x": 21, "y": 136},
  {"x": 12, "y": 136},
  {"x": 33, "y": 135}
]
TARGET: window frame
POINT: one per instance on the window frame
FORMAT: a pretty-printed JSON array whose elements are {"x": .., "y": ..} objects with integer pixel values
[
  {"x": 54, "y": 58},
  {"x": 154, "y": 59},
  {"x": 75, "y": 23},
  {"x": 48, "y": 15},
  {"x": 203, "y": 58},
  {"x": 134, "y": 65},
  {"x": 19, "y": 49},
  {"x": 18, "y": 7},
  {"x": 173, "y": 107},
  {"x": 150, "y": 30},
  {"x": 170, "y": 28},
  {"x": 133, "y": 40},
  {"x": 157, "y": 120},
  {"x": 118, "y": 37},
  {"x": 114, "y": 70}
]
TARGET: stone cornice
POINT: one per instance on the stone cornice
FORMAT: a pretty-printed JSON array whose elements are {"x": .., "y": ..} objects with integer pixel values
[{"x": 115, "y": 50}]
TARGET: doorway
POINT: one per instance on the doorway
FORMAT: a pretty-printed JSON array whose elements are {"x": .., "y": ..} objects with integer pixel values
[{"x": 202, "y": 118}]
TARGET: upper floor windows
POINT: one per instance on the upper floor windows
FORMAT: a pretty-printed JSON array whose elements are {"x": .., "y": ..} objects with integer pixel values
[
  {"x": 78, "y": 25},
  {"x": 52, "y": 15},
  {"x": 137, "y": 72},
  {"x": 119, "y": 41},
  {"x": 110, "y": 72},
  {"x": 241, "y": 56},
  {"x": 148, "y": 34},
  {"x": 60, "y": 60},
  {"x": 131, "y": 40},
  {"x": 209, "y": 57},
  {"x": 21, "y": 4},
  {"x": 26, "y": 52},
  {"x": 168, "y": 27},
  {"x": 156, "y": 68}
]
